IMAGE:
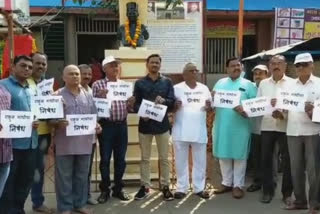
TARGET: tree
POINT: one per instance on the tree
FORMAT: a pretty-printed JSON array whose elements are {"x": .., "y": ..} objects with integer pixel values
[{"x": 114, "y": 4}]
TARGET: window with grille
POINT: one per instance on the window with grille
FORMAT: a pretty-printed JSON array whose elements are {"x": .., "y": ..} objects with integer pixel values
[
  {"x": 218, "y": 51},
  {"x": 96, "y": 26},
  {"x": 54, "y": 41}
]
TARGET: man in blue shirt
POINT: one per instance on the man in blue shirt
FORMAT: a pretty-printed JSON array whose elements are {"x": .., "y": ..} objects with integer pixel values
[{"x": 23, "y": 165}]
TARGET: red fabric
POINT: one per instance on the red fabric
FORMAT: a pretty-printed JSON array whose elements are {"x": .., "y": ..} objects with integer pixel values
[
  {"x": 96, "y": 72},
  {"x": 22, "y": 46}
]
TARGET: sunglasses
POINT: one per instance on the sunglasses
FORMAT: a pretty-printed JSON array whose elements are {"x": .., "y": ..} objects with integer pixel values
[{"x": 302, "y": 64}]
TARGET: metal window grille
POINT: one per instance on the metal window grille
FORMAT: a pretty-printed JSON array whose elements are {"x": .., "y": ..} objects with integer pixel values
[
  {"x": 218, "y": 51},
  {"x": 96, "y": 26}
]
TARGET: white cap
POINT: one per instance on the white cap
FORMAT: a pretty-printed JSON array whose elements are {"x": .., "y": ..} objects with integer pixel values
[
  {"x": 260, "y": 67},
  {"x": 108, "y": 60},
  {"x": 304, "y": 57}
]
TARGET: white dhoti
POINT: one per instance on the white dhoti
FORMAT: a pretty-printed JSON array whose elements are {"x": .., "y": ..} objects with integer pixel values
[{"x": 199, "y": 159}]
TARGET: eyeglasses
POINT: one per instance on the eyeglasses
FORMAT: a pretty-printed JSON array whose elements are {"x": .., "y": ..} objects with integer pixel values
[{"x": 303, "y": 64}]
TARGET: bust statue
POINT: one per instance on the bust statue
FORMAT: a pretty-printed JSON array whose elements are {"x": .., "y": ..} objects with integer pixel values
[{"x": 132, "y": 33}]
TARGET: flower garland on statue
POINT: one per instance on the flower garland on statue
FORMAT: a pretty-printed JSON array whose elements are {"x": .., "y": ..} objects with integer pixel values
[{"x": 133, "y": 42}]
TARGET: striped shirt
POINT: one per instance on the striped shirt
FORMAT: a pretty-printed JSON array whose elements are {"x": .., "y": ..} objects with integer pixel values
[
  {"x": 5, "y": 144},
  {"x": 119, "y": 110}
]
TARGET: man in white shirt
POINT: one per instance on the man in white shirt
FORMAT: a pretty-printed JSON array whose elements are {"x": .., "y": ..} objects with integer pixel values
[
  {"x": 303, "y": 137},
  {"x": 189, "y": 129},
  {"x": 273, "y": 130},
  {"x": 260, "y": 72}
]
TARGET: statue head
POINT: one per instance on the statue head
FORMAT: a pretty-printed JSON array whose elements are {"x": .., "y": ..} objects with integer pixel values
[{"x": 132, "y": 11}]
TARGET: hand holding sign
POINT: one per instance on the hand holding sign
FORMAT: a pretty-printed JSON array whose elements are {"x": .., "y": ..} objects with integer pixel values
[
  {"x": 45, "y": 87},
  {"x": 316, "y": 112},
  {"x": 103, "y": 107},
  {"x": 16, "y": 124},
  {"x": 257, "y": 107},
  {"x": 152, "y": 111},
  {"x": 226, "y": 99},
  {"x": 291, "y": 101},
  {"x": 119, "y": 90},
  {"x": 81, "y": 124},
  {"x": 47, "y": 107}
]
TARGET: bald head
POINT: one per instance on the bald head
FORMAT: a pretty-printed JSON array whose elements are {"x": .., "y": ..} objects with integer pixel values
[{"x": 71, "y": 76}]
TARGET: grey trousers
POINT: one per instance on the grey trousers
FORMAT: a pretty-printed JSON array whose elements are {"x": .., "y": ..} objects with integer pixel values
[
  {"x": 303, "y": 157},
  {"x": 71, "y": 178}
]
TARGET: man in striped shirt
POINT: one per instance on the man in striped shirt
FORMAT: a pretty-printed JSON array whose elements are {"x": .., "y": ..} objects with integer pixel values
[
  {"x": 5, "y": 144},
  {"x": 114, "y": 137}
]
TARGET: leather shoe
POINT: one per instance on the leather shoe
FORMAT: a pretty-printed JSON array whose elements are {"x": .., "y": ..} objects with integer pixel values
[
  {"x": 237, "y": 193},
  {"x": 103, "y": 197},
  {"x": 254, "y": 187},
  {"x": 222, "y": 189},
  {"x": 266, "y": 198},
  {"x": 179, "y": 195},
  {"x": 122, "y": 195}
]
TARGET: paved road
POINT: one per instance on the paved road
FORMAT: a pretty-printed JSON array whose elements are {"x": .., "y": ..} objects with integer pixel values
[{"x": 217, "y": 204}]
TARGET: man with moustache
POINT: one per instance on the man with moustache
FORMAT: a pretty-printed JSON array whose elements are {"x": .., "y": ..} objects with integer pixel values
[
  {"x": 23, "y": 165},
  {"x": 273, "y": 130},
  {"x": 191, "y": 113},
  {"x": 72, "y": 153},
  {"x": 86, "y": 77},
  {"x": 159, "y": 89},
  {"x": 260, "y": 72},
  {"x": 232, "y": 132},
  {"x": 114, "y": 136},
  {"x": 303, "y": 137},
  {"x": 40, "y": 65}
]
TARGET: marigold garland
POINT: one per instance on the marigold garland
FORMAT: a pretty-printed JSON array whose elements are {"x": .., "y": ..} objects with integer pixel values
[{"x": 133, "y": 42}]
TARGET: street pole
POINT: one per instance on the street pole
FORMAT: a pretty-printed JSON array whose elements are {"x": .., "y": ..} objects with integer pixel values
[
  {"x": 240, "y": 29},
  {"x": 11, "y": 37}
]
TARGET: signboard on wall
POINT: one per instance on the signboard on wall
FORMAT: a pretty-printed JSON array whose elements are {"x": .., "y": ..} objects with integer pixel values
[
  {"x": 177, "y": 33},
  {"x": 227, "y": 29},
  {"x": 21, "y": 10},
  {"x": 294, "y": 25}
]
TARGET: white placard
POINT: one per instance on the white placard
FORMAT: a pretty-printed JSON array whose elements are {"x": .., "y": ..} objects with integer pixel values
[
  {"x": 226, "y": 99},
  {"x": 257, "y": 107},
  {"x": 47, "y": 107},
  {"x": 81, "y": 124},
  {"x": 152, "y": 111},
  {"x": 316, "y": 112},
  {"x": 45, "y": 87},
  {"x": 193, "y": 99},
  {"x": 16, "y": 124},
  {"x": 119, "y": 90},
  {"x": 103, "y": 107},
  {"x": 291, "y": 101}
]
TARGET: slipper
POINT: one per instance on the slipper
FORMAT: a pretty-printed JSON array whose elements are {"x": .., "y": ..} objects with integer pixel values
[{"x": 293, "y": 206}]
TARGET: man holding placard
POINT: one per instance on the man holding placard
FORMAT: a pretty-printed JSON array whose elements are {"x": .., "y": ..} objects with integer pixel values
[
  {"x": 158, "y": 90},
  {"x": 303, "y": 137},
  {"x": 260, "y": 72},
  {"x": 23, "y": 165},
  {"x": 39, "y": 61},
  {"x": 5, "y": 144},
  {"x": 86, "y": 77},
  {"x": 232, "y": 128},
  {"x": 73, "y": 140},
  {"x": 193, "y": 99},
  {"x": 114, "y": 137},
  {"x": 273, "y": 130}
]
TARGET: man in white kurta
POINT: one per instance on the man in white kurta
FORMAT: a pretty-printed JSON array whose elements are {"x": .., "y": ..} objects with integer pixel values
[{"x": 189, "y": 129}]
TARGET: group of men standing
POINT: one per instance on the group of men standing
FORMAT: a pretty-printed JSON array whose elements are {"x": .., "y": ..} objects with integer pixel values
[
  {"x": 294, "y": 132},
  {"x": 22, "y": 169}
]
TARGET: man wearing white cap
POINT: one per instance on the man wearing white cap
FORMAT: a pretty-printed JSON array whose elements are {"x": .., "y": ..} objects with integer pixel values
[
  {"x": 193, "y": 99},
  {"x": 114, "y": 136},
  {"x": 260, "y": 72},
  {"x": 273, "y": 130},
  {"x": 303, "y": 137}
]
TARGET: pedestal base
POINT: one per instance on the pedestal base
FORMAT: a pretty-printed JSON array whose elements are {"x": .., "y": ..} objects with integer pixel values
[{"x": 133, "y": 61}]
